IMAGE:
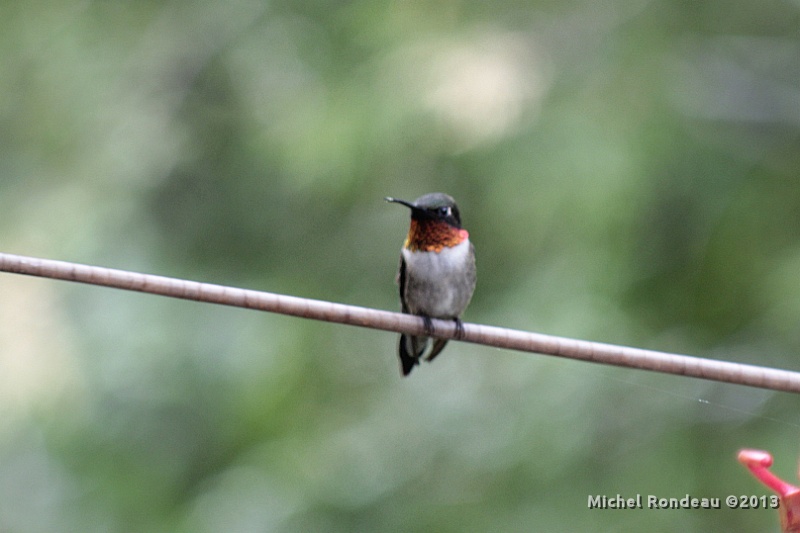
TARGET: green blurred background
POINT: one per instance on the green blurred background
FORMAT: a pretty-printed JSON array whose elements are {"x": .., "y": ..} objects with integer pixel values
[{"x": 628, "y": 173}]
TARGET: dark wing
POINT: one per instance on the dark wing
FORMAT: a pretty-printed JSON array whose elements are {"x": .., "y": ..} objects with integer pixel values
[
  {"x": 407, "y": 361},
  {"x": 401, "y": 281}
]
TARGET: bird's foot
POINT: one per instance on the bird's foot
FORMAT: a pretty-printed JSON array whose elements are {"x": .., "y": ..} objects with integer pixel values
[
  {"x": 428, "y": 326},
  {"x": 459, "y": 334}
]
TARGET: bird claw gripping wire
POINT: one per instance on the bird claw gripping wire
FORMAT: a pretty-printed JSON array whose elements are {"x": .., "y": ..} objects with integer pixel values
[{"x": 758, "y": 462}]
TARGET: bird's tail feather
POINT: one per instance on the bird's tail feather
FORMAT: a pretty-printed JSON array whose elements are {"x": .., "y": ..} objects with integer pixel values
[
  {"x": 438, "y": 346},
  {"x": 411, "y": 349}
]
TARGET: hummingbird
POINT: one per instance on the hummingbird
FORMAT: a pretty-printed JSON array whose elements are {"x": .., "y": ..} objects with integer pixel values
[{"x": 437, "y": 272}]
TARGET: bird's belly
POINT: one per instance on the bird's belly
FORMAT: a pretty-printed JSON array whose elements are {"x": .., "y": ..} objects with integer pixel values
[{"x": 439, "y": 284}]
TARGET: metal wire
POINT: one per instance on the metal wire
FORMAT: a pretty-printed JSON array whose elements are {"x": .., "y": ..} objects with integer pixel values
[{"x": 741, "y": 374}]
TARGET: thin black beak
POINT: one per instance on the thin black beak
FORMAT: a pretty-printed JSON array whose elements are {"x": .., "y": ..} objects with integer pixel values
[{"x": 398, "y": 201}]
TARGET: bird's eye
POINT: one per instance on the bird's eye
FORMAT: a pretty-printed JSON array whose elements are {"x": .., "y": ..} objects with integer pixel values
[{"x": 445, "y": 211}]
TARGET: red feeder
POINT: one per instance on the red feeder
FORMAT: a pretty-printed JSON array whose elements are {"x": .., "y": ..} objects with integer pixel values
[{"x": 759, "y": 462}]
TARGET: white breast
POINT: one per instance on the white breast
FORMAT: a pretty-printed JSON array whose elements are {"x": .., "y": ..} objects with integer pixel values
[
  {"x": 436, "y": 265},
  {"x": 439, "y": 284}
]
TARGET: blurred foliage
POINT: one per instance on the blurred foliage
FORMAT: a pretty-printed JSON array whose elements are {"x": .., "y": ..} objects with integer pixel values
[{"x": 628, "y": 173}]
